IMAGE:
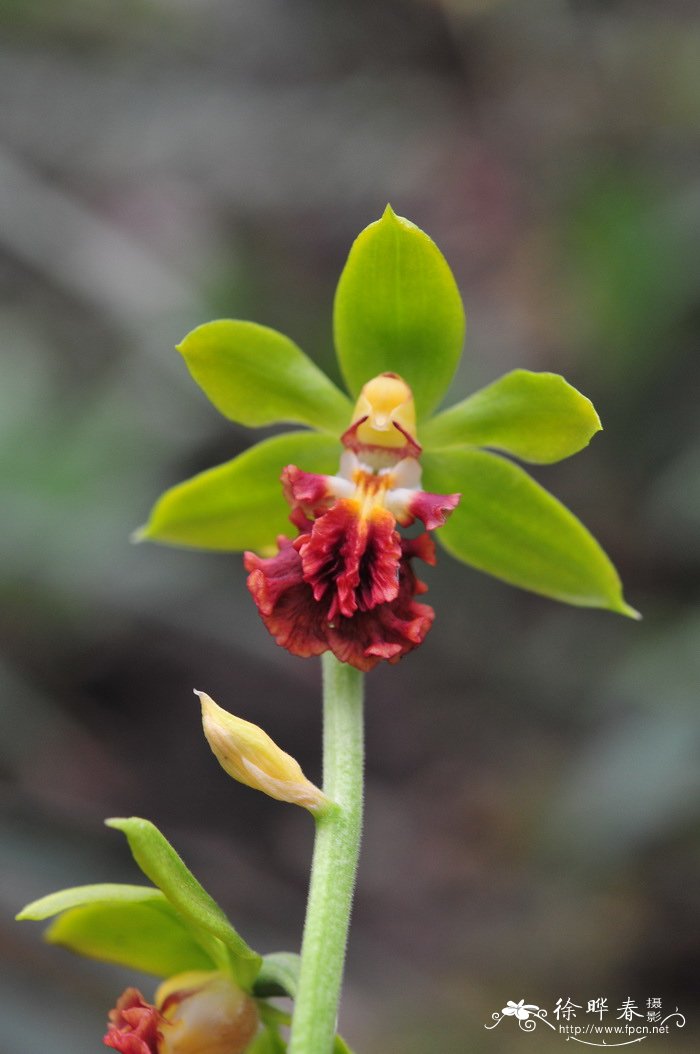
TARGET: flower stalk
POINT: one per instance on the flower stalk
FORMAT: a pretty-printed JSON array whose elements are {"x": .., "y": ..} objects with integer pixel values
[{"x": 334, "y": 865}]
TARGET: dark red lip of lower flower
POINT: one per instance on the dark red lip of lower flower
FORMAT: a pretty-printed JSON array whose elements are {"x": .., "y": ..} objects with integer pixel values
[{"x": 134, "y": 1025}]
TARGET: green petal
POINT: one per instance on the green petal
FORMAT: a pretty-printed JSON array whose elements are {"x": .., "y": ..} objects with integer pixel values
[
  {"x": 148, "y": 936},
  {"x": 135, "y": 926},
  {"x": 79, "y": 896},
  {"x": 159, "y": 862},
  {"x": 257, "y": 376},
  {"x": 239, "y": 505},
  {"x": 398, "y": 309},
  {"x": 534, "y": 416},
  {"x": 510, "y": 527}
]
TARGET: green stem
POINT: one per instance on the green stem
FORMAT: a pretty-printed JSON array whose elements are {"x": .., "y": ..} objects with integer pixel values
[{"x": 334, "y": 864}]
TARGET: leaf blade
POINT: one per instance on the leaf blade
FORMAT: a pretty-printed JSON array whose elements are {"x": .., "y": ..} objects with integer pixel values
[
  {"x": 537, "y": 417},
  {"x": 397, "y": 309},
  {"x": 257, "y": 376},
  {"x": 509, "y": 526},
  {"x": 239, "y": 505}
]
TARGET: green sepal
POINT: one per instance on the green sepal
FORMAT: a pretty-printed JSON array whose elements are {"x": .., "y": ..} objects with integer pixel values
[
  {"x": 509, "y": 526},
  {"x": 257, "y": 376},
  {"x": 537, "y": 417},
  {"x": 159, "y": 862},
  {"x": 340, "y": 1046},
  {"x": 397, "y": 309},
  {"x": 134, "y": 926},
  {"x": 272, "y": 1016},
  {"x": 267, "y": 1041},
  {"x": 279, "y": 975},
  {"x": 239, "y": 505}
]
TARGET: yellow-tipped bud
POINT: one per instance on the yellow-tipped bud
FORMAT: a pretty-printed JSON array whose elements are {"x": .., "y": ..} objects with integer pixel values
[
  {"x": 387, "y": 412},
  {"x": 251, "y": 757},
  {"x": 205, "y": 1013}
]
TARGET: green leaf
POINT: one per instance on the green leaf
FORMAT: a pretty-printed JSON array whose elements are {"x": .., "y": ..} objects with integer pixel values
[
  {"x": 398, "y": 309},
  {"x": 279, "y": 975},
  {"x": 535, "y": 416},
  {"x": 148, "y": 936},
  {"x": 239, "y": 505},
  {"x": 159, "y": 862},
  {"x": 257, "y": 376},
  {"x": 510, "y": 527}
]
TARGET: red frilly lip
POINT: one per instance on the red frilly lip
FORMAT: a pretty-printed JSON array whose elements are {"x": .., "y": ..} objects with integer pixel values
[
  {"x": 285, "y": 601},
  {"x": 346, "y": 583},
  {"x": 350, "y": 559},
  {"x": 134, "y": 1025},
  {"x": 305, "y": 626},
  {"x": 389, "y": 631}
]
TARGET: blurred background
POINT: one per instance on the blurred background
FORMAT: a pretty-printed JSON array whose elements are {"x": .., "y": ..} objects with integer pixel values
[{"x": 533, "y": 802}]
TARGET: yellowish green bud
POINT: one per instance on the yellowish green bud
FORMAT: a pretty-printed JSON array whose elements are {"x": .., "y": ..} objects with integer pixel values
[{"x": 251, "y": 757}]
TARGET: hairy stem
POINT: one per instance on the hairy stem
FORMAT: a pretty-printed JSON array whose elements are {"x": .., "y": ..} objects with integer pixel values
[{"x": 334, "y": 864}]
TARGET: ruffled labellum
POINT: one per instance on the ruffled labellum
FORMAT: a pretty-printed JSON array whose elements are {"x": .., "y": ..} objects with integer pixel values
[
  {"x": 346, "y": 583},
  {"x": 135, "y": 1026}
]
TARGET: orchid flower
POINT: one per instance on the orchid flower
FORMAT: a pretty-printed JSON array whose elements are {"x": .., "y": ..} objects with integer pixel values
[{"x": 318, "y": 511}]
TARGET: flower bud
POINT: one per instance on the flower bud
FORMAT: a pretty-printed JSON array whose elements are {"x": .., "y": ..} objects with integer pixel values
[
  {"x": 251, "y": 757},
  {"x": 194, "y": 1013},
  {"x": 205, "y": 1013},
  {"x": 384, "y": 417}
]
